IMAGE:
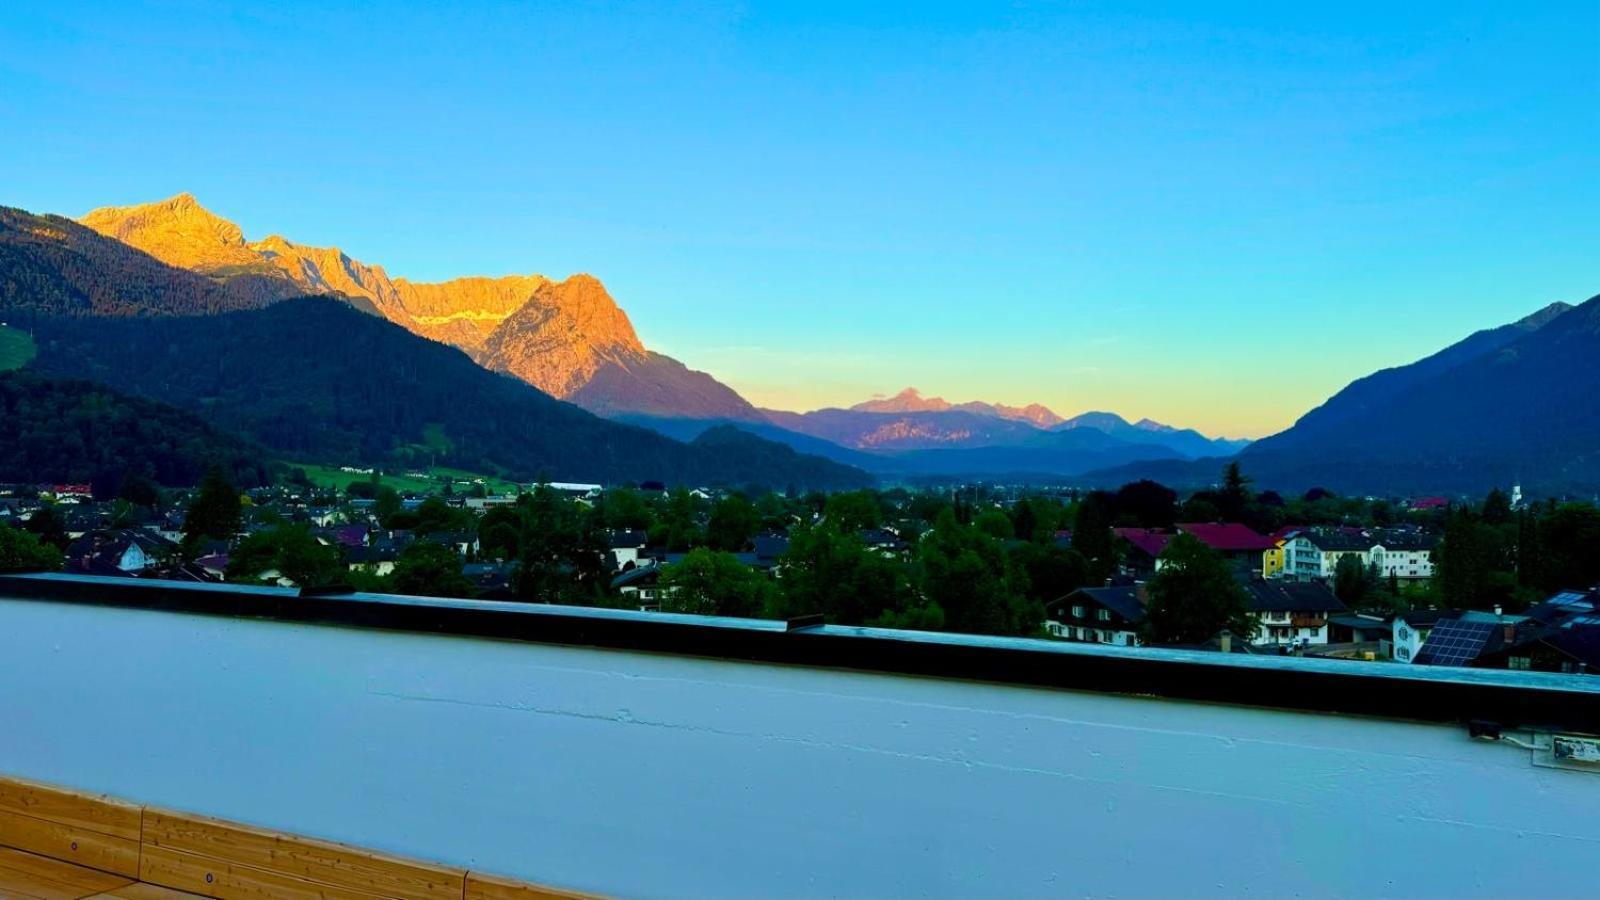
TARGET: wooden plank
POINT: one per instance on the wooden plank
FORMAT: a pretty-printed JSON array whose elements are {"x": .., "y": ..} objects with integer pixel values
[
  {"x": 30, "y": 875},
  {"x": 492, "y": 887},
  {"x": 229, "y": 881},
  {"x": 90, "y": 812},
  {"x": 323, "y": 862},
  {"x": 70, "y": 844},
  {"x": 141, "y": 891}
]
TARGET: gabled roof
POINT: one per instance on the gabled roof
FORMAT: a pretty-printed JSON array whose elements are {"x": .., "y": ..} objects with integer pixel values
[
  {"x": 1122, "y": 600},
  {"x": 1291, "y": 596},
  {"x": 1148, "y": 540},
  {"x": 1227, "y": 536}
]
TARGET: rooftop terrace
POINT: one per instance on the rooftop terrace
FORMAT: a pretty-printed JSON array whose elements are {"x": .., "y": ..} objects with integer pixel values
[{"x": 660, "y": 755}]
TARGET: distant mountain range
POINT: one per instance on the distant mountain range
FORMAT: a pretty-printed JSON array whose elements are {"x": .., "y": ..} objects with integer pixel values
[
  {"x": 316, "y": 379},
  {"x": 567, "y": 338},
  {"x": 1530, "y": 412}
]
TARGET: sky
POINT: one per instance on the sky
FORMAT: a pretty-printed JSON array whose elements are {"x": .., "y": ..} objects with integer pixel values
[{"x": 1212, "y": 214}]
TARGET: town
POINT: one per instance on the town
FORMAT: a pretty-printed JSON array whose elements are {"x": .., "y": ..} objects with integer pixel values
[{"x": 1500, "y": 581}]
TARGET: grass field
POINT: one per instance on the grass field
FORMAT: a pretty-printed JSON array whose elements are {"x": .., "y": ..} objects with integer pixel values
[
  {"x": 16, "y": 349},
  {"x": 331, "y": 476}
]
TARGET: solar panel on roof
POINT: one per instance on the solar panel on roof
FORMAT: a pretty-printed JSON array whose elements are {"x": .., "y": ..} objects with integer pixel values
[{"x": 1455, "y": 643}]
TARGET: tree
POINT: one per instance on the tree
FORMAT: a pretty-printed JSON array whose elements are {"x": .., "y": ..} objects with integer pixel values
[
  {"x": 995, "y": 524},
  {"x": 1234, "y": 499},
  {"x": 433, "y": 514},
  {"x": 49, "y": 525},
  {"x": 1147, "y": 504},
  {"x": 1464, "y": 561},
  {"x": 430, "y": 570},
  {"x": 836, "y": 574},
  {"x": 853, "y": 511},
  {"x": 292, "y": 552},
  {"x": 1497, "y": 508},
  {"x": 1092, "y": 536},
  {"x": 1052, "y": 572},
  {"x": 625, "y": 509},
  {"x": 713, "y": 583},
  {"x": 1194, "y": 597},
  {"x": 386, "y": 504},
  {"x": 1569, "y": 535},
  {"x": 21, "y": 551},
  {"x": 215, "y": 510},
  {"x": 563, "y": 556},
  {"x": 734, "y": 521},
  {"x": 969, "y": 577},
  {"x": 1351, "y": 583}
]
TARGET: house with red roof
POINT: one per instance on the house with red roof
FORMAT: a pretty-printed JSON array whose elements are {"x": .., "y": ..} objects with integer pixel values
[
  {"x": 1142, "y": 547},
  {"x": 1240, "y": 544}
]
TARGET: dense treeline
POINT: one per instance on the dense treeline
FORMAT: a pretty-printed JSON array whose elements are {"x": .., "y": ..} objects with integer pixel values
[
  {"x": 51, "y": 266},
  {"x": 1494, "y": 556},
  {"x": 74, "y": 431},
  {"x": 315, "y": 378}
]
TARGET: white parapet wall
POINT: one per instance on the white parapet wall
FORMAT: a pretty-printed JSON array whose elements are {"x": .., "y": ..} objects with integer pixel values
[{"x": 640, "y": 774}]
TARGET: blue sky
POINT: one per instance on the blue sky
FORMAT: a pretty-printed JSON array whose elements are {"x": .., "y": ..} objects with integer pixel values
[{"x": 1214, "y": 214}]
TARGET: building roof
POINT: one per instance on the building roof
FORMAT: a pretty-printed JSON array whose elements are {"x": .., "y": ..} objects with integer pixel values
[
  {"x": 1291, "y": 596},
  {"x": 1227, "y": 536},
  {"x": 1149, "y": 541},
  {"x": 1338, "y": 539},
  {"x": 1122, "y": 600}
]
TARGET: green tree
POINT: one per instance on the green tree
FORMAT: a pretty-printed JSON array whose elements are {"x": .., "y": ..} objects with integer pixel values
[
  {"x": 1570, "y": 535},
  {"x": 1194, "y": 597},
  {"x": 215, "y": 510},
  {"x": 1052, "y": 572},
  {"x": 386, "y": 504},
  {"x": 734, "y": 521},
  {"x": 995, "y": 524},
  {"x": 20, "y": 550},
  {"x": 430, "y": 570},
  {"x": 967, "y": 574},
  {"x": 434, "y": 514},
  {"x": 1092, "y": 536},
  {"x": 713, "y": 583},
  {"x": 48, "y": 525},
  {"x": 1351, "y": 581},
  {"x": 625, "y": 509},
  {"x": 1233, "y": 501},
  {"x": 854, "y": 511},
  {"x": 1465, "y": 561},
  {"x": 1147, "y": 504},
  {"x": 1497, "y": 508},
  {"x": 563, "y": 555},
  {"x": 292, "y": 552},
  {"x": 829, "y": 572}
]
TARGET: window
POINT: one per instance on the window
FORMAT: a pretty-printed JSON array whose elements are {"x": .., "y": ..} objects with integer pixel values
[
  {"x": 1077, "y": 612},
  {"x": 1518, "y": 662},
  {"x": 1103, "y": 615}
]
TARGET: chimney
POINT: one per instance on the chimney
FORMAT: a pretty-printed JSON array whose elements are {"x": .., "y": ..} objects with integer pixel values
[
  {"x": 1497, "y": 609},
  {"x": 1142, "y": 593},
  {"x": 1225, "y": 639},
  {"x": 1511, "y": 632}
]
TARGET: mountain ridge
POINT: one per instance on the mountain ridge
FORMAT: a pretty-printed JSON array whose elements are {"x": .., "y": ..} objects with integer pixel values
[{"x": 556, "y": 335}]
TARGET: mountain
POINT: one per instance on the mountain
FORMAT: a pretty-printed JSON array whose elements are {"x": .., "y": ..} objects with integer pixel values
[
  {"x": 567, "y": 338},
  {"x": 1373, "y": 390},
  {"x": 1183, "y": 442},
  {"x": 68, "y": 431},
  {"x": 51, "y": 266},
  {"x": 313, "y": 378},
  {"x": 1517, "y": 402},
  {"x": 910, "y": 400}
]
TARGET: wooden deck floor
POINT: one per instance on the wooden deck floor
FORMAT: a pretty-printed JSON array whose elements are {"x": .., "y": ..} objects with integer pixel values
[
  {"x": 60, "y": 844},
  {"x": 29, "y": 876}
]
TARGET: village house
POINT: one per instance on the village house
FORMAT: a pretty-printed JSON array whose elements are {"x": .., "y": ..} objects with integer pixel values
[
  {"x": 1291, "y": 613},
  {"x": 1104, "y": 615}
]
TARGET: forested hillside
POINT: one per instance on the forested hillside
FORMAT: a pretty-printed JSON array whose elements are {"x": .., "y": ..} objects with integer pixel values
[
  {"x": 51, "y": 266},
  {"x": 55, "y": 430},
  {"x": 315, "y": 379}
]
